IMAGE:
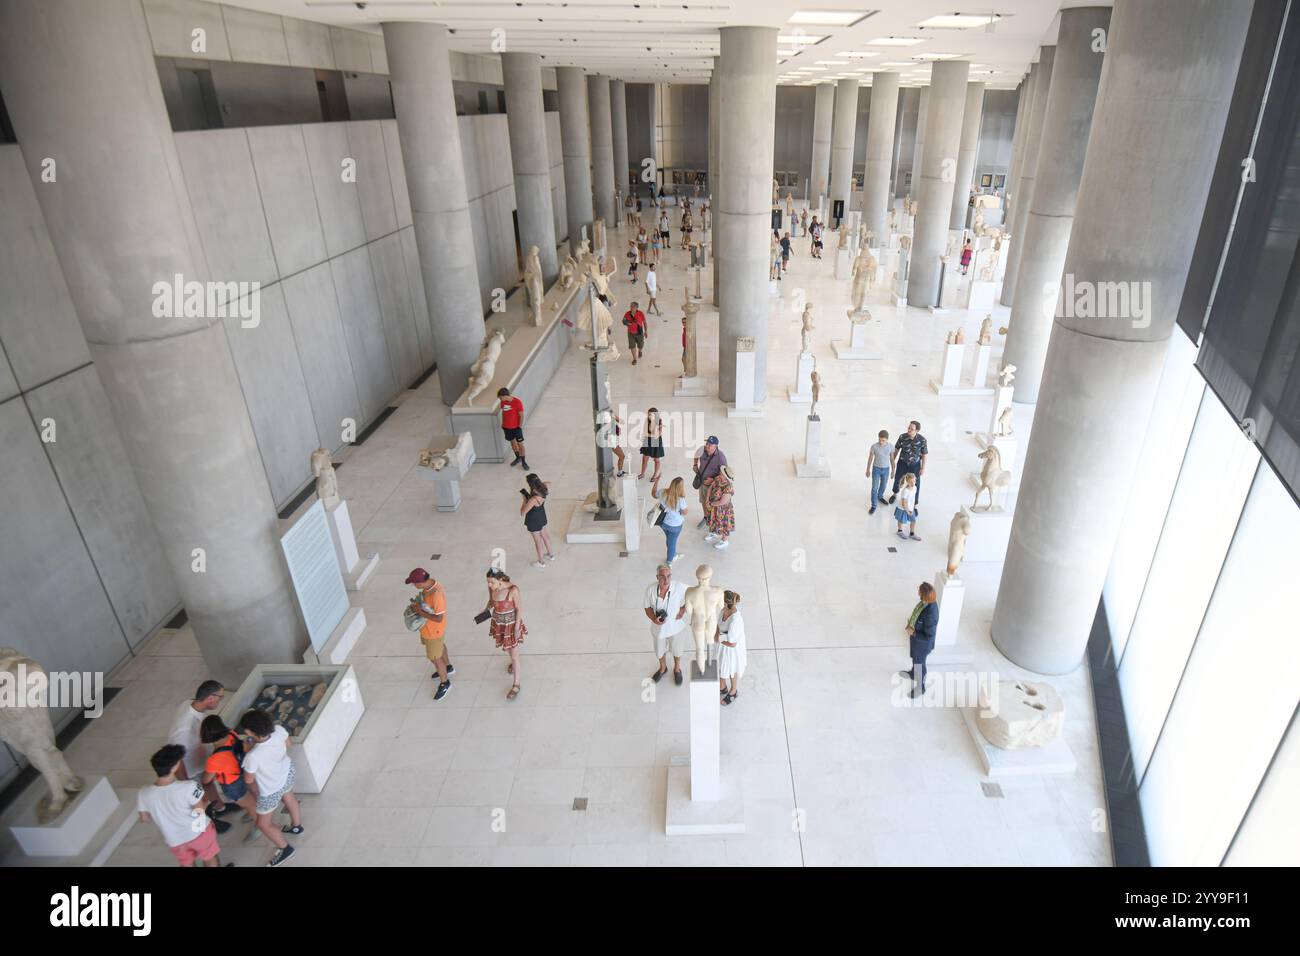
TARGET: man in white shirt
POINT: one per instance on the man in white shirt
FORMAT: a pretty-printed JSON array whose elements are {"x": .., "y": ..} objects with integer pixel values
[
  {"x": 652, "y": 290},
  {"x": 185, "y": 732},
  {"x": 664, "y": 608},
  {"x": 176, "y": 806}
]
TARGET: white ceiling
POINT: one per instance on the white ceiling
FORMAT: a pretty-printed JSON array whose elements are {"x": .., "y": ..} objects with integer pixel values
[{"x": 676, "y": 42}]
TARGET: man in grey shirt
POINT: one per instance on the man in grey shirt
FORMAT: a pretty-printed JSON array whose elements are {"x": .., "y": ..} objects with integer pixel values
[
  {"x": 878, "y": 467},
  {"x": 709, "y": 460}
]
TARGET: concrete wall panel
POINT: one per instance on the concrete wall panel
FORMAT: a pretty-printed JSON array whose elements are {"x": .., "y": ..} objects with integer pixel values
[
  {"x": 284, "y": 179},
  {"x": 397, "y": 173},
  {"x": 337, "y": 201},
  {"x": 322, "y": 352},
  {"x": 364, "y": 329},
  {"x": 374, "y": 187},
  {"x": 308, "y": 43},
  {"x": 171, "y": 26},
  {"x": 419, "y": 304},
  {"x": 255, "y": 37},
  {"x": 389, "y": 265},
  {"x": 351, "y": 50}
]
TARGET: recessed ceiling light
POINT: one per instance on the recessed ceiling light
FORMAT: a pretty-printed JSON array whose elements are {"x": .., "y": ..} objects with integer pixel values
[
  {"x": 937, "y": 56},
  {"x": 857, "y": 54},
  {"x": 833, "y": 62},
  {"x": 800, "y": 39},
  {"x": 832, "y": 18},
  {"x": 895, "y": 41},
  {"x": 959, "y": 21}
]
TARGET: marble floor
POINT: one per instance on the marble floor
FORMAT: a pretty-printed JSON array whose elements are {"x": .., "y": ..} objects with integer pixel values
[{"x": 834, "y": 767}]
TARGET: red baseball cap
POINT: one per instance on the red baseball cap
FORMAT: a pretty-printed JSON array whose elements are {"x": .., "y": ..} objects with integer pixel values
[{"x": 418, "y": 576}]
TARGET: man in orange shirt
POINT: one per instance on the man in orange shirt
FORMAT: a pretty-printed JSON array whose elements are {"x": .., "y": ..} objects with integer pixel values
[{"x": 431, "y": 604}]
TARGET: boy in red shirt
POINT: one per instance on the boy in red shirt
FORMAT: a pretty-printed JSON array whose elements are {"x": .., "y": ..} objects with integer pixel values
[
  {"x": 512, "y": 424},
  {"x": 634, "y": 319}
]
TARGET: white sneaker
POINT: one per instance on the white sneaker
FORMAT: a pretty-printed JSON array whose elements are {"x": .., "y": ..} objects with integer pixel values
[
  {"x": 710, "y": 537},
  {"x": 550, "y": 558},
  {"x": 539, "y": 564},
  {"x": 720, "y": 545}
]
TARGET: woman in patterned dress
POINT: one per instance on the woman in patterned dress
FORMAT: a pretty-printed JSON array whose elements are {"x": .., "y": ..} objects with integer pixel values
[
  {"x": 507, "y": 628},
  {"x": 722, "y": 516}
]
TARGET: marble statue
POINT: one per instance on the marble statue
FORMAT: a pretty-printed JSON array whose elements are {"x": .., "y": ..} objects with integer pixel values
[
  {"x": 703, "y": 603},
  {"x": 816, "y": 390},
  {"x": 569, "y": 273},
  {"x": 1004, "y": 423},
  {"x": 806, "y": 331},
  {"x": 433, "y": 459},
  {"x": 858, "y": 318},
  {"x": 584, "y": 250},
  {"x": 1006, "y": 376},
  {"x": 986, "y": 330},
  {"x": 598, "y": 235},
  {"x": 690, "y": 361},
  {"x": 992, "y": 476},
  {"x": 28, "y": 730},
  {"x": 789, "y": 205},
  {"x": 533, "y": 283},
  {"x": 327, "y": 483},
  {"x": 978, "y": 225},
  {"x": 481, "y": 373},
  {"x": 776, "y": 193},
  {"x": 905, "y": 243},
  {"x": 1018, "y": 714},
  {"x": 867, "y": 236},
  {"x": 960, "y": 337},
  {"x": 834, "y": 240},
  {"x": 1003, "y": 330},
  {"x": 604, "y": 322},
  {"x": 706, "y": 217},
  {"x": 911, "y": 207},
  {"x": 864, "y": 277},
  {"x": 958, "y": 532},
  {"x": 893, "y": 219}
]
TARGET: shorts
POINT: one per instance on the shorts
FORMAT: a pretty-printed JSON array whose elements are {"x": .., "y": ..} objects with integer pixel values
[
  {"x": 233, "y": 791},
  {"x": 202, "y": 847},
  {"x": 513, "y": 434},
  {"x": 434, "y": 647},
  {"x": 636, "y": 340},
  {"x": 674, "y": 643},
  {"x": 268, "y": 802}
]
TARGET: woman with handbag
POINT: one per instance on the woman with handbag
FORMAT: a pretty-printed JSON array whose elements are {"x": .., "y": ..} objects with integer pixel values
[
  {"x": 507, "y": 629},
  {"x": 722, "y": 516},
  {"x": 671, "y": 513}
]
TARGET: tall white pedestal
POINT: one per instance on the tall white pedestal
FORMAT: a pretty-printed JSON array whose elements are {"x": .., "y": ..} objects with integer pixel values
[
  {"x": 69, "y": 835},
  {"x": 356, "y": 570},
  {"x": 1001, "y": 400},
  {"x": 631, "y": 515},
  {"x": 801, "y": 394},
  {"x": 813, "y": 464},
  {"x": 982, "y": 354},
  {"x": 689, "y": 387},
  {"x": 744, "y": 406},
  {"x": 950, "y": 381},
  {"x": 701, "y": 799},
  {"x": 951, "y": 592},
  {"x": 983, "y": 295},
  {"x": 843, "y": 262},
  {"x": 990, "y": 533},
  {"x": 856, "y": 349}
]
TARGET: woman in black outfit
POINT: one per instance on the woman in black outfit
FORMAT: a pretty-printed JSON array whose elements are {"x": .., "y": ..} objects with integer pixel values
[
  {"x": 652, "y": 446},
  {"x": 534, "y": 511},
  {"x": 920, "y": 632}
]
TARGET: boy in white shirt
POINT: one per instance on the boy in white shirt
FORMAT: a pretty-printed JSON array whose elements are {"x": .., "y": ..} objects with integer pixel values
[
  {"x": 177, "y": 807},
  {"x": 268, "y": 770}
]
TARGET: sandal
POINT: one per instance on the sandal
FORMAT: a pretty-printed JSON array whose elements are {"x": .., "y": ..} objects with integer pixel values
[
  {"x": 514, "y": 692},
  {"x": 727, "y": 699}
]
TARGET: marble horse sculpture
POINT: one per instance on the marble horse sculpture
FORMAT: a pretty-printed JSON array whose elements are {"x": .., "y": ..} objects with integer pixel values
[
  {"x": 992, "y": 475},
  {"x": 28, "y": 730}
]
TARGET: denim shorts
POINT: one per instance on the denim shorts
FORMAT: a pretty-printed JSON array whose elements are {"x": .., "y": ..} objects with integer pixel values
[{"x": 234, "y": 792}]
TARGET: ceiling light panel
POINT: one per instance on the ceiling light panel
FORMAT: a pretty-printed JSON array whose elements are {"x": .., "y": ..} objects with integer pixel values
[
  {"x": 828, "y": 18},
  {"x": 959, "y": 21}
]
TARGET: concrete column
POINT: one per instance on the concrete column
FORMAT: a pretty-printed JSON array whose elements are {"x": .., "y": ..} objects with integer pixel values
[
  {"x": 419, "y": 68},
  {"x": 526, "y": 121},
  {"x": 602, "y": 149},
  {"x": 970, "y": 144},
  {"x": 918, "y": 145},
  {"x": 575, "y": 143},
  {"x": 1023, "y": 102},
  {"x": 939, "y": 161},
  {"x": 844, "y": 125},
  {"x": 1137, "y": 219},
  {"x": 1029, "y": 163},
  {"x": 747, "y": 135},
  {"x": 80, "y": 86},
  {"x": 908, "y": 99},
  {"x": 880, "y": 149},
  {"x": 823, "y": 111},
  {"x": 1076, "y": 71},
  {"x": 618, "y": 117},
  {"x": 715, "y": 175}
]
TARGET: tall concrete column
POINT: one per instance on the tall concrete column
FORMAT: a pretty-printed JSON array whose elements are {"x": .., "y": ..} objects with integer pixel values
[
  {"x": 618, "y": 117},
  {"x": 419, "y": 68},
  {"x": 1076, "y": 72},
  {"x": 934, "y": 204},
  {"x": 80, "y": 86},
  {"x": 908, "y": 103},
  {"x": 823, "y": 112},
  {"x": 529, "y": 155},
  {"x": 602, "y": 149},
  {"x": 918, "y": 145},
  {"x": 1018, "y": 137},
  {"x": 747, "y": 135},
  {"x": 575, "y": 143},
  {"x": 970, "y": 144},
  {"x": 1029, "y": 164},
  {"x": 715, "y": 175},
  {"x": 1137, "y": 218},
  {"x": 844, "y": 125},
  {"x": 880, "y": 149}
]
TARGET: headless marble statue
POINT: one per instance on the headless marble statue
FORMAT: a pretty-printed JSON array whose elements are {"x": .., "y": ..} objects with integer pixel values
[
  {"x": 29, "y": 731},
  {"x": 986, "y": 330},
  {"x": 958, "y": 532},
  {"x": 480, "y": 375},
  {"x": 327, "y": 483},
  {"x": 806, "y": 332},
  {"x": 690, "y": 367},
  {"x": 703, "y": 603},
  {"x": 533, "y": 284},
  {"x": 816, "y": 390}
]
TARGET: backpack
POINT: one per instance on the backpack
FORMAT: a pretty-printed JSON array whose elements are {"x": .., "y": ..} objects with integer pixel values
[{"x": 235, "y": 751}]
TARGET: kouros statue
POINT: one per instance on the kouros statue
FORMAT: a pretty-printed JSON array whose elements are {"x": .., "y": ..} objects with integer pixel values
[
  {"x": 776, "y": 193},
  {"x": 806, "y": 331},
  {"x": 986, "y": 330},
  {"x": 958, "y": 532},
  {"x": 864, "y": 274},
  {"x": 481, "y": 373},
  {"x": 29, "y": 730},
  {"x": 690, "y": 365},
  {"x": 703, "y": 603},
  {"x": 1006, "y": 376},
  {"x": 327, "y": 483},
  {"x": 533, "y": 284},
  {"x": 816, "y": 390},
  {"x": 789, "y": 205}
]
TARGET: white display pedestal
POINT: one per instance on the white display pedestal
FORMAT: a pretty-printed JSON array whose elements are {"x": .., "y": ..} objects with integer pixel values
[
  {"x": 990, "y": 533},
  {"x": 954, "y": 356},
  {"x": 856, "y": 348},
  {"x": 951, "y": 594},
  {"x": 954, "y": 287},
  {"x": 983, "y": 296},
  {"x": 701, "y": 799},
  {"x": 689, "y": 387},
  {"x": 982, "y": 354},
  {"x": 744, "y": 406},
  {"x": 356, "y": 570},
  {"x": 446, "y": 481},
  {"x": 69, "y": 835},
  {"x": 801, "y": 394},
  {"x": 843, "y": 262},
  {"x": 813, "y": 464},
  {"x": 1001, "y": 399},
  {"x": 1051, "y": 758},
  {"x": 585, "y": 529},
  {"x": 1000, "y": 270},
  {"x": 631, "y": 515}
]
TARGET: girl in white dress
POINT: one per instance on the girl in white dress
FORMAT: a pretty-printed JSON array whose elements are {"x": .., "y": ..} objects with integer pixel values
[{"x": 731, "y": 654}]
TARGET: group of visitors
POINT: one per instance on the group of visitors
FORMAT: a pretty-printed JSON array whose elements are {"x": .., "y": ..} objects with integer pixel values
[
  {"x": 666, "y": 610},
  {"x": 906, "y": 461}
]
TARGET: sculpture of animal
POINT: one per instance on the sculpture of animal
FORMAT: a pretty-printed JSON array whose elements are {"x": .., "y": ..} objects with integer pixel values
[
  {"x": 992, "y": 476},
  {"x": 29, "y": 731}
]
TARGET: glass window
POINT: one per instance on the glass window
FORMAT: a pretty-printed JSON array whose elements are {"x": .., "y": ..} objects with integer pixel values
[
  {"x": 1235, "y": 701},
  {"x": 1212, "y": 486}
]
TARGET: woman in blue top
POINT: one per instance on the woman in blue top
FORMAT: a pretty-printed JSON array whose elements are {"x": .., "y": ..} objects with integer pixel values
[
  {"x": 673, "y": 503},
  {"x": 920, "y": 633}
]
